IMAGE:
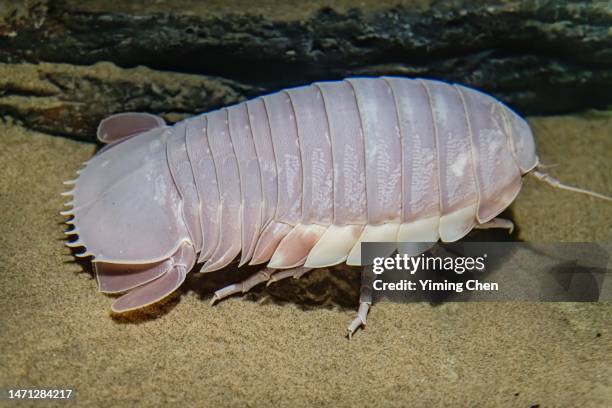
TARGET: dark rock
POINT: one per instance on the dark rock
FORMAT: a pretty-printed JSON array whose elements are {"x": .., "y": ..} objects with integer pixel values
[
  {"x": 70, "y": 100},
  {"x": 537, "y": 56}
]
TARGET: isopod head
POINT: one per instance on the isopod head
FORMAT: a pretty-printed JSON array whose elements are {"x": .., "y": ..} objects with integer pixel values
[{"x": 522, "y": 142}]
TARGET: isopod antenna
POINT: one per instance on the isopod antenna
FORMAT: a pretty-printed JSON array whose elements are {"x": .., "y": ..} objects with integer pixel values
[{"x": 548, "y": 179}]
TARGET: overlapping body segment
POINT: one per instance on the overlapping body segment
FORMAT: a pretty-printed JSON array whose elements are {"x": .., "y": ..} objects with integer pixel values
[
  {"x": 347, "y": 147},
  {"x": 206, "y": 180},
  {"x": 301, "y": 177},
  {"x": 228, "y": 179},
  {"x": 183, "y": 176},
  {"x": 315, "y": 192},
  {"x": 317, "y": 165},
  {"x": 497, "y": 173},
  {"x": 251, "y": 195}
]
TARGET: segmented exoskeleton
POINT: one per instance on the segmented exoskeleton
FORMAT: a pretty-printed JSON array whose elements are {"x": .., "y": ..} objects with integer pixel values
[{"x": 297, "y": 179}]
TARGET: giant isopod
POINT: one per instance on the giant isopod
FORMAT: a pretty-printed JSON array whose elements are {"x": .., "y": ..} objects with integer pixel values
[{"x": 296, "y": 179}]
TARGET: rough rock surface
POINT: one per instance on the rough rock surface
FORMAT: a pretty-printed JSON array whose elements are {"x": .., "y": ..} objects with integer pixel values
[
  {"x": 537, "y": 56},
  {"x": 70, "y": 99}
]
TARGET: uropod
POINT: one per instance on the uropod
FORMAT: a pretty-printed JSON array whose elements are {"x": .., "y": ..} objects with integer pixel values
[{"x": 295, "y": 180}]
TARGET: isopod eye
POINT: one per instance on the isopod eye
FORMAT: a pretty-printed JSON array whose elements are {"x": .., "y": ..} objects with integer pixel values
[{"x": 522, "y": 141}]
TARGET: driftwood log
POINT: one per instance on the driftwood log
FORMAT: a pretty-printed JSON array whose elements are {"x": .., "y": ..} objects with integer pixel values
[{"x": 66, "y": 64}]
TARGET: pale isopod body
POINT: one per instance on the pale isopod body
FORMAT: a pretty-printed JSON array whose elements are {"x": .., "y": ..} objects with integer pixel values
[{"x": 297, "y": 179}]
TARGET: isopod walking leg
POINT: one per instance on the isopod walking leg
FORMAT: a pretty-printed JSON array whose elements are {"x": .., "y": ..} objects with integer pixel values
[
  {"x": 244, "y": 286},
  {"x": 365, "y": 300},
  {"x": 294, "y": 273},
  {"x": 266, "y": 275},
  {"x": 497, "y": 223}
]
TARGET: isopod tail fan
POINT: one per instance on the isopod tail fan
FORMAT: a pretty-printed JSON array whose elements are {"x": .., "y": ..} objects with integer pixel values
[
  {"x": 143, "y": 260},
  {"x": 550, "y": 180},
  {"x": 121, "y": 126},
  {"x": 160, "y": 287}
]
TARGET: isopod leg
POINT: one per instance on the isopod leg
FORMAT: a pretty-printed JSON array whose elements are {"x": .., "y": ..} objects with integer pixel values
[
  {"x": 294, "y": 273},
  {"x": 497, "y": 223},
  {"x": 365, "y": 300},
  {"x": 244, "y": 286},
  {"x": 266, "y": 275}
]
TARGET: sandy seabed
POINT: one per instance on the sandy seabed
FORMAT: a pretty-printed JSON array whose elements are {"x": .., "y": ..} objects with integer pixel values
[{"x": 56, "y": 330}]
